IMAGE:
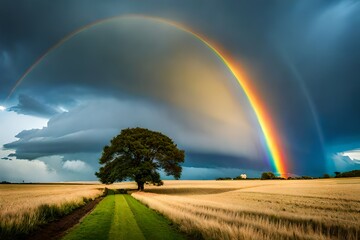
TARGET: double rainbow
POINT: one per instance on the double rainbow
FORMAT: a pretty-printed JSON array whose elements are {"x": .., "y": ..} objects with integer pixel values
[{"x": 274, "y": 145}]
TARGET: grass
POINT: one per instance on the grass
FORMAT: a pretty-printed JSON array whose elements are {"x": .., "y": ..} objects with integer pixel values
[
  {"x": 124, "y": 225},
  {"x": 98, "y": 223},
  {"x": 24, "y": 207},
  {"x": 153, "y": 225},
  {"x": 120, "y": 216},
  {"x": 316, "y": 209}
]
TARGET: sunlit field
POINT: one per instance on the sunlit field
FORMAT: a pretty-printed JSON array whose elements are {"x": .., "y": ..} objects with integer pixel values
[
  {"x": 255, "y": 209},
  {"x": 25, "y": 206},
  {"x": 242, "y": 209}
]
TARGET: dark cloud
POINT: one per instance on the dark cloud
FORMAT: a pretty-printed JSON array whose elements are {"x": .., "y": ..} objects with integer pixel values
[
  {"x": 83, "y": 141},
  {"x": 141, "y": 59},
  {"x": 87, "y": 128},
  {"x": 194, "y": 173},
  {"x": 30, "y": 106},
  {"x": 310, "y": 92},
  {"x": 321, "y": 46},
  {"x": 216, "y": 160},
  {"x": 26, "y": 36}
]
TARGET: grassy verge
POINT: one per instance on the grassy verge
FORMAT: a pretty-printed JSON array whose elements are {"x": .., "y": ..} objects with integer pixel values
[
  {"x": 122, "y": 217},
  {"x": 25, "y": 223}
]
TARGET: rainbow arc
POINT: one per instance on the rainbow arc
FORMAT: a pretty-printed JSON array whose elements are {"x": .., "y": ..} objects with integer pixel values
[{"x": 273, "y": 141}]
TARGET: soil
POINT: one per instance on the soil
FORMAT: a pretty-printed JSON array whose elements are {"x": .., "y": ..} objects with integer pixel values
[{"x": 58, "y": 228}]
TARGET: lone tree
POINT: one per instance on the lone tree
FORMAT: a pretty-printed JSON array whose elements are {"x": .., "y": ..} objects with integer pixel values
[{"x": 138, "y": 154}]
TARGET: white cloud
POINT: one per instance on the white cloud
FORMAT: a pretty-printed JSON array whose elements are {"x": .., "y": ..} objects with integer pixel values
[
  {"x": 343, "y": 162},
  {"x": 353, "y": 154},
  {"x": 76, "y": 166},
  {"x": 27, "y": 171},
  {"x": 45, "y": 169},
  {"x": 12, "y": 123}
]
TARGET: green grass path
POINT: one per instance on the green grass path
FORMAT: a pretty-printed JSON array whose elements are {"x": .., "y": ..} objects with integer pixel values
[
  {"x": 123, "y": 217},
  {"x": 153, "y": 225},
  {"x": 124, "y": 225},
  {"x": 97, "y": 224}
]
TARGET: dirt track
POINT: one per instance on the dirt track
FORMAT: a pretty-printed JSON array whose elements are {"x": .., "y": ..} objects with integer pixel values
[{"x": 56, "y": 229}]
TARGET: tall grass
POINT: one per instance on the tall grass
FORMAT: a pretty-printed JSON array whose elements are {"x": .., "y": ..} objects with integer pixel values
[
  {"x": 256, "y": 211},
  {"x": 24, "y": 207}
]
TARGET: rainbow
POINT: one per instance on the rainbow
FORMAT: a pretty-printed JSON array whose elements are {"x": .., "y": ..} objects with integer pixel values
[{"x": 273, "y": 141}]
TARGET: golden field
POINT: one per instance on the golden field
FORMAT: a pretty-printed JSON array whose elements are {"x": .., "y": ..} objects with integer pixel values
[
  {"x": 25, "y": 206},
  {"x": 238, "y": 209},
  {"x": 260, "y": 209}
]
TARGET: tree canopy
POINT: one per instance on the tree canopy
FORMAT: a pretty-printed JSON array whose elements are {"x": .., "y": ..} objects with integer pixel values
[
  {"x": 137, "y": 154},
  {"x": 268, "y": 175}
]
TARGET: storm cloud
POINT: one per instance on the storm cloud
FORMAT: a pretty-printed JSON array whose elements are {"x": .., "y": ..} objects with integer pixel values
[
  {"x": 300, "y": 56},
  {"x": 30, "y": 106},
  {"x": 88, "y": 128}
]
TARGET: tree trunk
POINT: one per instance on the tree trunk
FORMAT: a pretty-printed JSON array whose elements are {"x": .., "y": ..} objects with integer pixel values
[{"x": 140, "y": 186}]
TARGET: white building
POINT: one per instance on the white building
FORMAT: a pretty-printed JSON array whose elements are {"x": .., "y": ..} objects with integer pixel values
[{"x": 243, "y": 176}]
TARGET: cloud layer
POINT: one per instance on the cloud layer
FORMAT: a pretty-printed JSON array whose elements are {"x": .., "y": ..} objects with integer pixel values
[
  {"x": 128, "y": 73},
  {"x": 89, "y": 127},
  {"x": 30, "y": 106}
]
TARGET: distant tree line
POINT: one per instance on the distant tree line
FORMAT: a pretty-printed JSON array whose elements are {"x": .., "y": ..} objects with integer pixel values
[
  {"x": 353, "y": 173},
  {"x": 271, "y": 175},
  {"x": 224, "y": 178}
]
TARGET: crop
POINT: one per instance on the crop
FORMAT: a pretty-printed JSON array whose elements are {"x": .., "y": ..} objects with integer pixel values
[
  {"x": 23, "y": 207},
  {"x": 274, "y": 209}
]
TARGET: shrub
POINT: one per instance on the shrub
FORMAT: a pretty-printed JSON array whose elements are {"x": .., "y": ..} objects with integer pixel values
[
  {"x": 268, "y": 175},
  {"x": 224, "y": 178},
  {"x": 306, "y": 177}
]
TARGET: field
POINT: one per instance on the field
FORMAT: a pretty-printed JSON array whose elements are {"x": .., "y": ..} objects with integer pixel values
[
  {"x": 243, "y": 209},
  {"x": 255, "y": 209},
  {"x": 25, "y": 206},
  {"x": 122, "y": 217}
]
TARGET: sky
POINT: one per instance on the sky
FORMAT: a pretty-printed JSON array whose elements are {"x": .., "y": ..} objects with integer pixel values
[{"x": 301, "y": 57}]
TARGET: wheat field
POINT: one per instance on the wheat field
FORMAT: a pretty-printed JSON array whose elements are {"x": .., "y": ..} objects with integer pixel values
[
  {"x": 243, "y": 209},
  {"x": 256, "y": 209},
  {"x": 25, "y": 206}
]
